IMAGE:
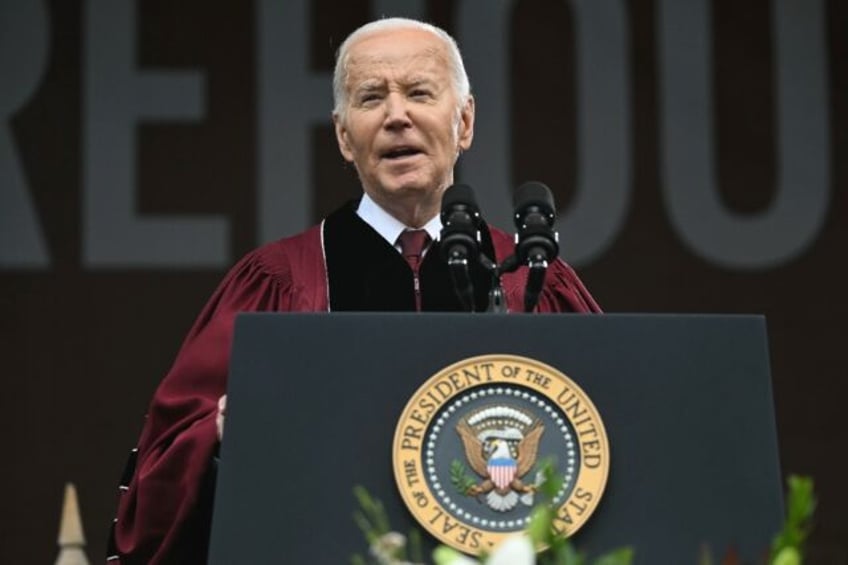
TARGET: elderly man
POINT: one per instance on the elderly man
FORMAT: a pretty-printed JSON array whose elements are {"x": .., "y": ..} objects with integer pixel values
[{"x": 403, "y": 114}]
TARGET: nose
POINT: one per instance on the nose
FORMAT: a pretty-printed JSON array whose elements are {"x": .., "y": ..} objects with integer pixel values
[{"x": 397, "y": 115}]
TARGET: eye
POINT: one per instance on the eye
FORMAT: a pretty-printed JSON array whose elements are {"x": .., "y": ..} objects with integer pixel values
[
  {"x": 421, "y": 94},
  {"x": 369, "y": 98}
]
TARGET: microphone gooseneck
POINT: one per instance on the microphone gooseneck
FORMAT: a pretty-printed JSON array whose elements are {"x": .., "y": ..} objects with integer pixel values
[
  {"x": 536, "y": 241},
  {"x": 460, "y": 239}
]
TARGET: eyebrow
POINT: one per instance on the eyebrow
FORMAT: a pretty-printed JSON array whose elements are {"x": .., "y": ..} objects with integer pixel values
[
  {"x": 378, "y": 84},
  {"x": 419, "y": 80},
  {"x": 370, "y": 84}
]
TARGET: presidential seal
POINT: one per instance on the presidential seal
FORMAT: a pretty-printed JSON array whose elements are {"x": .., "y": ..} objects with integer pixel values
[{"x": 469, "y": 445}]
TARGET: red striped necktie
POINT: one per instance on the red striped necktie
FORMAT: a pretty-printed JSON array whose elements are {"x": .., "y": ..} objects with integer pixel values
[{"x": 412, "y": 245}]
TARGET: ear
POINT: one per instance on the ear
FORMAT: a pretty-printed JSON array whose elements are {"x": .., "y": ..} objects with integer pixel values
[
  {"x": 466, "y": 124},
  {"x": 341, "y": 137}
]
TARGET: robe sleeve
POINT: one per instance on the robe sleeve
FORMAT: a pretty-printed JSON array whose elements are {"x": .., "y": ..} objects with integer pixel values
[
  {"x": 564, "y": 291},
  {"x": 164, "y": 514}
]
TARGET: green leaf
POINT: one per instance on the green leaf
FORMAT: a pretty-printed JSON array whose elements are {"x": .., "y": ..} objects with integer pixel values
[
  {"x": 621, "y": 556},
  {"x": 800, "y": 506},
  {"x": 444, "y": 555},
  {"x": 788, "y": 556},
  {"x": 460, "y": 478},
  {"x": 380, "y": 518},
  {"x": 562, "y": 553},
  {"x": 541, "y": 521},
  {"x": 372, "y": 519},
  {"x": 365, "y": 526},
  {"x": 416, "y": 549},
  {"x": 551, "y": 480}
]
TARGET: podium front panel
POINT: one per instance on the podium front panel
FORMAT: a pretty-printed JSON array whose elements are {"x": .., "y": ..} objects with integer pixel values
[{"x": 314, "y": 400}]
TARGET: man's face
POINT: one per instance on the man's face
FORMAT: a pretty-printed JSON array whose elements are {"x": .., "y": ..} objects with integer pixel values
[{"x": 402, "y": 125}]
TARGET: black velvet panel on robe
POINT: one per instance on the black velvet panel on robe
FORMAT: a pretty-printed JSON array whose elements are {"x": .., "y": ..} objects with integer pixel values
[{"x": 366, "y": 273}]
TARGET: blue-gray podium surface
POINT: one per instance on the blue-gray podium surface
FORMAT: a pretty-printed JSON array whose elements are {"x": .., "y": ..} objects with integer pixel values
[{"x": 314, "y": 400}]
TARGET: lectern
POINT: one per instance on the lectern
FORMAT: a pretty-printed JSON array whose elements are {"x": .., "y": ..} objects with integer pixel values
[{"x": 314, "y": 399}]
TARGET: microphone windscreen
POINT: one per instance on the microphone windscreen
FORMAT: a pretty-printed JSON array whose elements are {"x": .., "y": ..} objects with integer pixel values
[
  {"x": 459, "y": 194},
  {"x": 534, "y": 194}
]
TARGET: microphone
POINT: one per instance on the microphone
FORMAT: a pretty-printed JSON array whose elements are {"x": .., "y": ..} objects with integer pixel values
[
  {"x": 460, "y": 238},
  {"x": 537, "y": 244}
]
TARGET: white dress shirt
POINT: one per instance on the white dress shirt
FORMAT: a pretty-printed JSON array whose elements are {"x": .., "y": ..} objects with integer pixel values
[{"x": 390, "y": 227}]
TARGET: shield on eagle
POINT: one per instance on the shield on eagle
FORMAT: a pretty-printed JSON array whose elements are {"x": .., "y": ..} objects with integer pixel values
[
  {"x": 501, "y": 443},
  {"x": 501, "y": 468}
]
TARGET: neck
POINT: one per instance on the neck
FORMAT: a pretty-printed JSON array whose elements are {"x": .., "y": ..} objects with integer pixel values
[
  {"x": 413, "y": 212},
  {"x": 416, "y": 218}
]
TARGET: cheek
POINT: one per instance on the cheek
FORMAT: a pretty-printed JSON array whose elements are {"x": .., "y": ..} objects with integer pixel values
[{"x": 360, "y": 134}]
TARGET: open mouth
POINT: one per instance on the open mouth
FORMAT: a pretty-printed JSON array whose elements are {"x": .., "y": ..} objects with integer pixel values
[{"x": 401, "y": 152}]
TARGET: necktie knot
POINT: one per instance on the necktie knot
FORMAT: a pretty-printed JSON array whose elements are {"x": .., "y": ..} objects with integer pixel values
[{"x": 412, "y": 244}]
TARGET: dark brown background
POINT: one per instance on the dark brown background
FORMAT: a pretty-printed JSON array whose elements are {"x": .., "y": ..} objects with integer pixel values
[{"x": 83, "y": 349}]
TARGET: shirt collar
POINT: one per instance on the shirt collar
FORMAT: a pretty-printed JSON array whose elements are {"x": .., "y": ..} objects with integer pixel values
[{"x": 387, "y": 225}]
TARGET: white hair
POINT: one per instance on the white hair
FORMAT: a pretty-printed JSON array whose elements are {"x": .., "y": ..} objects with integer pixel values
[{"x": 459, "y": 77}]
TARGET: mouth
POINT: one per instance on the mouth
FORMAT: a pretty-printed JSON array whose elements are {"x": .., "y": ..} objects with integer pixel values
[{"x": 400, "y": 152}]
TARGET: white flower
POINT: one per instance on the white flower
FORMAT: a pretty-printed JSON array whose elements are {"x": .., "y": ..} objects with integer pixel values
[
  {"x": 386, "y": 546},
  {"x": 514, "y": 550}
]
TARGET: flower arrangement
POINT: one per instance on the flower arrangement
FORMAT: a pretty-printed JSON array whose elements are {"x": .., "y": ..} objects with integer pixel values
[{"x": 387, "y": 547}]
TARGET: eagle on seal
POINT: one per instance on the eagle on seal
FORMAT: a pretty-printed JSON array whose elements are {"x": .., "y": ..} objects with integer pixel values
[{"x": 501, "y": 472}]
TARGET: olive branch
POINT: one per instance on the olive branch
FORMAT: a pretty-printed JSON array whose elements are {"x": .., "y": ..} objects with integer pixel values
[{"x": 460, "y": 478}]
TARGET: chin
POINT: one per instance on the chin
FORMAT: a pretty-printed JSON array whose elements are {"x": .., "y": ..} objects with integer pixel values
[{"x": 410, "y": 187}]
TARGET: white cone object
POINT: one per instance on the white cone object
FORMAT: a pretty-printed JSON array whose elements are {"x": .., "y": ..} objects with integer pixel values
[{"x": 71, "y": 537}]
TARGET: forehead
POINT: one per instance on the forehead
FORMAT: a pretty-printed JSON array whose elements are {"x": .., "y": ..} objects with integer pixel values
[{"x": 402, "y": 55}]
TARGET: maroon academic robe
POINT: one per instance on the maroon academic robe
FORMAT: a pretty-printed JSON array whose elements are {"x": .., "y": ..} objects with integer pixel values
[{"x": 164, "y": 510}]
